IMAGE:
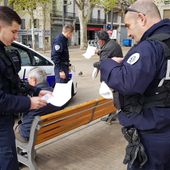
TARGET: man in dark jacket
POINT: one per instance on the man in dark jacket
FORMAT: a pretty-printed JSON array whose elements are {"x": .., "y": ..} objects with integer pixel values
[
  {"x": 142, "y": 80},
  {"x": 11, "y": 100},
  {"x": 108, "y": 47},
  {"x": 60, "y": 54}
]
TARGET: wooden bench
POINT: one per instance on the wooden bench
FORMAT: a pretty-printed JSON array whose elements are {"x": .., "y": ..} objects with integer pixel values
[{"x": 49, "y": 126}]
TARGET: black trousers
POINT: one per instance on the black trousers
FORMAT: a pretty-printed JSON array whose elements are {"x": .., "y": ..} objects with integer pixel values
[
  {"x": 157, "y": 147},
  {"x": 27, "y": 119},
  {"x": 8, "y": 156}
]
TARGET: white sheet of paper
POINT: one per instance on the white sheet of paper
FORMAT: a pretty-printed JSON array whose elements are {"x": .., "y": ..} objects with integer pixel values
[
  {"x": 61, "y": 94},
  {"x": 89, "y": 52},
  {"x": 105, "y": 91}
]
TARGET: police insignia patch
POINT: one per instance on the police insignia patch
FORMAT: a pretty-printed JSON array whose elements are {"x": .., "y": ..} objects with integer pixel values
[
  {"x": 133, "y": 58},
  {"x": 57, "y": 47}
]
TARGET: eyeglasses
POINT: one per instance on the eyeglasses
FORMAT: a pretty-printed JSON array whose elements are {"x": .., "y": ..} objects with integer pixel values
[{"x": 132, "y": 10}]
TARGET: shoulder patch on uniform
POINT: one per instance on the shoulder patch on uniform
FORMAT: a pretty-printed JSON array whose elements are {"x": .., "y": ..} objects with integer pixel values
[
  {"x": 133, "y": 58},
  {"x": 57, "y": 47}
]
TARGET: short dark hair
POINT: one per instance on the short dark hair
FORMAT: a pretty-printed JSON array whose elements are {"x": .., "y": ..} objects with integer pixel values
[
  {"x": 103, "y": 35},
  {"x": 8, "y": 15},
  {"x": 68, "y": 28}
]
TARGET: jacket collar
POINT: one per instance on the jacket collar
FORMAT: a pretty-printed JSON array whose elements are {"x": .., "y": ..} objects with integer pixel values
[{"x": 161, "y": 27}]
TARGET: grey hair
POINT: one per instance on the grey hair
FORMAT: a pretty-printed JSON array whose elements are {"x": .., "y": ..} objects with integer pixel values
[
  {"x": 147, "y": 7},
  {"x": 39, "y": 74}
]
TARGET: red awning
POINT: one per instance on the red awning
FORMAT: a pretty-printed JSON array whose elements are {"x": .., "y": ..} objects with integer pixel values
[{"x": 94, "y": 29}]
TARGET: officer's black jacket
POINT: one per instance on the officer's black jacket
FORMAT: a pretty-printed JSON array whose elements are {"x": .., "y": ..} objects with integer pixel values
[
  {"x": 10, "y": 100},
  {"x": 60, "y": 53},
  {"x": 143, "y": 67}
]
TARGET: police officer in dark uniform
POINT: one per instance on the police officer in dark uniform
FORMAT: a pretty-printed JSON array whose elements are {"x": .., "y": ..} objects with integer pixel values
[
  {"x": 60, "y": 54},
  {"x": 11, "y": 100},
  {"x": 142, "y": 80}
]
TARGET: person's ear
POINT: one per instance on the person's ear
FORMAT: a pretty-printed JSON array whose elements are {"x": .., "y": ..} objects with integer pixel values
[
  {"x": 32, "y": 81},
  {"x": 142, "y": 18},
  {"x": 35, "y": 81}
]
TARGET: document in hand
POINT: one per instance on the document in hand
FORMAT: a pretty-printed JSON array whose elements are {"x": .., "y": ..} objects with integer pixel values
[
  {"x": 89, "y": 52},
  {"x": 61, "y": 94}
]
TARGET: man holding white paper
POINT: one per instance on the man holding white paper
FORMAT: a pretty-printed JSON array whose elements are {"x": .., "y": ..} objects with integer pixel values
[
  {"x": 56, "y": 101},
  {"x": 108, "y": 47}
]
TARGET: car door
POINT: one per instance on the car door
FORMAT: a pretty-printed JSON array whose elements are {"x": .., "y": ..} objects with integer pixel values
[{"x": 30, "y": 59}]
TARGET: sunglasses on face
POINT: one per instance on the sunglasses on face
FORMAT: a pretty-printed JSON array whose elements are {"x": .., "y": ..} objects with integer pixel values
[{"x": 132, "y": 10}]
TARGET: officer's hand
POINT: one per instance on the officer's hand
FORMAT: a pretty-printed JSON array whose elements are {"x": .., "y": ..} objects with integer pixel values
[
  {"x": 44, "y": 92},
  {"x": 117, "y": 59},
  {"x": 62, "y": 75},
  {"x": 37, "y": 102}
]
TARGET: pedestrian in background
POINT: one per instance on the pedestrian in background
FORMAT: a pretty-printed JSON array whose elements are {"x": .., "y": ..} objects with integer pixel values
[
  {"x": 142, "y": 80},
  {"x": 11, "y": 100},
  {"x": 60, "y": 54},
  {"x": 108, "y": 49}
]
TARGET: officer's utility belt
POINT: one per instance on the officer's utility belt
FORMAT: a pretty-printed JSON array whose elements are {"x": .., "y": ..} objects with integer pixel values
[
  {"x": 66, "y": 63},
  {"x": 137, "y": 103}
]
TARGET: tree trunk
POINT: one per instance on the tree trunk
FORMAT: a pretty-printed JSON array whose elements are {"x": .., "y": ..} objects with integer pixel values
[
  {"x": 32, "y": 30},
  {"x": 83, "y": 31},
  {"x": 44, "y": 24}
]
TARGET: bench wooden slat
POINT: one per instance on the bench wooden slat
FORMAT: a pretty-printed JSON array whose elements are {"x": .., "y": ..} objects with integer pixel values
[
  {"x": 66, "y": 111},
  {"x": 62, "y": 129},
  {"x": 67, "y": 124},
  {"x": 64, "y": 122}
]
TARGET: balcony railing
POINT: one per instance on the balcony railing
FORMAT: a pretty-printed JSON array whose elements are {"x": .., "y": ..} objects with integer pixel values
[
  {"x": 97, "y": 21},
  {"x": 66, "y": 14},
  {"x": 94, "y": 21}
]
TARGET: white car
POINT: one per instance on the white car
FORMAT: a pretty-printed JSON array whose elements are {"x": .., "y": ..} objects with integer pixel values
[{"x": 31, "y": 58}]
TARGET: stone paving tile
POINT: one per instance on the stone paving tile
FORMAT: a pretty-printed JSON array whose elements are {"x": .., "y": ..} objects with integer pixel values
[{"x": 96, "y": 147}]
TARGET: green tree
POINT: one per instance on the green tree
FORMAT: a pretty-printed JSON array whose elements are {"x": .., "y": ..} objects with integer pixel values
[
  {"x": 29, "y": 6},
  {"x": 85, "y": 8}
]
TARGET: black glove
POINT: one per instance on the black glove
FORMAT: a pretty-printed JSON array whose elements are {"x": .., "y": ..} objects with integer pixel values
[{"x": 134, "y": 150}]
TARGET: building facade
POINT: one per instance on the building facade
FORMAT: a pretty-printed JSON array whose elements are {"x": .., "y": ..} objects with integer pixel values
[{"x": 66, "y": 12}]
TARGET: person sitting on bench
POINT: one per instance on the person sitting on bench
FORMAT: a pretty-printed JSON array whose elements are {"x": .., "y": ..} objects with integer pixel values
[{"x": 37, "y": 78}]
